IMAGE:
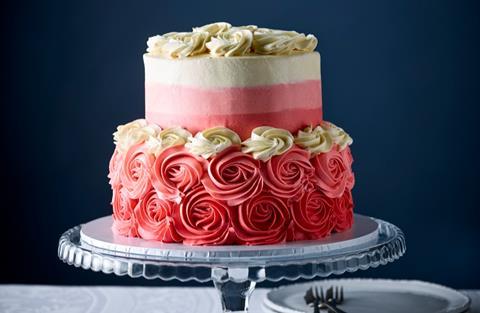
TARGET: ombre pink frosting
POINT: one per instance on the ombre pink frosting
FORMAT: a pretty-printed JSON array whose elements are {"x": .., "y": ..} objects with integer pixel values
[
  {"x": 135, "y": 171},
  {"x": 290, "y": 106},
  {"x": 233, "y": 176},
  {"x": 343, "y": 211},
  {"x": 124, "y": 222},
  {"x": 154, "y": 218},
  {"x": 231, "y": 198},
  {"x": 287, "y": 175},
  {"x": 263, "y": 219},
  {"x": 334, "y": 171},
  {"x": 203, "y": 220},
  {"x": 176, "y": 171},
  {"x": 313, "y": 214}
]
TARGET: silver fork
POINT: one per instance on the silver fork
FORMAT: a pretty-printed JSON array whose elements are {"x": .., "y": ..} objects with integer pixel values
[
  {"x": 315, "y": 298},
  {"x": 334, "y": 296},
  {"x": 323, "y": 303}
]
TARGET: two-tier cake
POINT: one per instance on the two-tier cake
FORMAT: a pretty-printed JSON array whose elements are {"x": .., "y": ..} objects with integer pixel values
[{"x": 233, "y": 148}]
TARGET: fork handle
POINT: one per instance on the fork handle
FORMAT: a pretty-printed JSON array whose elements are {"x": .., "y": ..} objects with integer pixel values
[{"x": 333, "y": 308}]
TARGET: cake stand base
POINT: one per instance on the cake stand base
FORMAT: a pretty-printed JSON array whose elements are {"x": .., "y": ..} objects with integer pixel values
[{"x": 234, "y": 270}]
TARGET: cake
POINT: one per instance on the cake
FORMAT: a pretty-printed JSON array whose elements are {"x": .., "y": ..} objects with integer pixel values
[{"x": 233, "y": 149}]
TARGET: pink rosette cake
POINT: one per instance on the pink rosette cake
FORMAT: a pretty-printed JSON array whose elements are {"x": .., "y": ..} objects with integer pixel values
[{"x": 233, "y": 148}]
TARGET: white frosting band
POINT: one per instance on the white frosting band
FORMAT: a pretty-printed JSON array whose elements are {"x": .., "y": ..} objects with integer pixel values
[{"x": 247, "y": 71}]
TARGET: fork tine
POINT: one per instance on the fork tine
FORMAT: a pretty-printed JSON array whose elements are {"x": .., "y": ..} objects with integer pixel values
[
  {"x": 327, "y": 294},
  {"x": 321, "y": 295},
  {"x": 309, "y": 297},
  {"x": 341, "y": 294}
]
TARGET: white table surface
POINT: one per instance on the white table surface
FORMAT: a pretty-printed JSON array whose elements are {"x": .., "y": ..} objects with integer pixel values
[{"x": 71, "y": 299}]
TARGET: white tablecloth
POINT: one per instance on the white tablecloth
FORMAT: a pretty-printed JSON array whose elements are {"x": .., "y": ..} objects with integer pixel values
[{"x": 56, "y": 299}]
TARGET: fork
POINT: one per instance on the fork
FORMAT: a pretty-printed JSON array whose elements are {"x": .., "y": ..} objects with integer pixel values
[
  {"x": 316, "y": 298},
  {"x": 334, "y": 296}
]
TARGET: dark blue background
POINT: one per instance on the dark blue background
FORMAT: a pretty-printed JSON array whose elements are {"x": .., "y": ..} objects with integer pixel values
[{"x": 401, "y": 76}]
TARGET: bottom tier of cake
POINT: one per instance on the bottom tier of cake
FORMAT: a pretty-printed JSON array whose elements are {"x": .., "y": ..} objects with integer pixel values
[{"x": 213, "y": 189}]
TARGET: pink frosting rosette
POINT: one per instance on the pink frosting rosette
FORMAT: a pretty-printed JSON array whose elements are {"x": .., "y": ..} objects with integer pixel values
[
  {"x": 124, "y": 222},
  {"x": 313, "y": 215},
  {"x": 334, "y": 171},
  {"x": 135, "y": 171},
  {"x": 114, "y": 167},
  {"x": 233, "y": 176},
  {"x": 286, "y": 175},
  {"x": 262, "y": 220},
  {"x": 347, "y": 154},
  {"x": 343, "y": 211},
  {"x": 154, "y": 217},
  {"x": 176, "y": 171},
  {"x": 202, "y": 220}
]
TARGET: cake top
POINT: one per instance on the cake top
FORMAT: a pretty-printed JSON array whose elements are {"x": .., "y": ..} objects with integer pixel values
[{"x": 224, "y": 40}]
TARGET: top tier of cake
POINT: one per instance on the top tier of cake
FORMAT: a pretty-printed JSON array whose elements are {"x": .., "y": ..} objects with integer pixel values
[{"x": 235, "y": 77}]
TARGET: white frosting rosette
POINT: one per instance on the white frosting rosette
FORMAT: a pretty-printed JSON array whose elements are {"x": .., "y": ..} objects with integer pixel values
[
  {"x": 178, "y": 45},
  {"x": 235, "y": 42},
  {"x": 315, "y": 140},
  {"x": 214, "y": 28},
  {"x": 224, "y": 40},
  {"x": 133, "y": 133},
  {"x": 339, "y": 136},
  {"x": 267, "y": 141},
  {"x": 211, "y": 141},
  {"x": 279, "y": 42},
  {"x": 167, "y": 138}
]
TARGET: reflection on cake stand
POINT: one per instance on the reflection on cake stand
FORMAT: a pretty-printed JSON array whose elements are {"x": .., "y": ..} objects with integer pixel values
[{"x": 234, "y": 270}]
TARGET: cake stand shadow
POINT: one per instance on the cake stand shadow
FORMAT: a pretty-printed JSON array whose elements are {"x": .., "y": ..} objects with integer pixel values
[{"x": 234, "y": 270}]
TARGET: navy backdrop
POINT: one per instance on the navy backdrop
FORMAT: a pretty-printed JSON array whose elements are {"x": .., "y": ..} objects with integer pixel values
[{"x": 400, "y": 76}]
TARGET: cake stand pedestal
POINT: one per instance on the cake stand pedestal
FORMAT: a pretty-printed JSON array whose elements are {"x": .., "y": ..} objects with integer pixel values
[{"x": 234, "y": 270}]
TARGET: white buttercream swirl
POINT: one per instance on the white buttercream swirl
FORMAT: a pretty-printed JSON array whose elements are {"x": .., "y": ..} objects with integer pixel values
[
  {"x": 178, "y": 45},
  {"x": 316, "y": 140},
  {"x": 133, "y": 133},
  {"x": 223, "y": 39},
  {"x": 281, "y": 42},
  {"x": 251, "y": 28},
  {"x": 211, "y": 141},
  {"x": 234, "y": 42},
  {"x": 266, "y": 141},
  {"x": 339, "y": 136},
  {"x": 166, "y": 138},
  {"x": 214, "y": 28}
]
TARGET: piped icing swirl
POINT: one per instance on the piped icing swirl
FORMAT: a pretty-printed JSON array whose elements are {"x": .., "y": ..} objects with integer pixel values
[
  {"x": 133, "y": 133},
  {"x": 234, "y": 42},
  {"x": 316, "y": 140},
  {"x": 231, "y": 197},
  {"x": 213, "y": 29},
  {"x": 174, "y": 136},
  {"x": 266, "y": 142},
  {"x": 178, "y": 45},
  {"x": 339, "y": 136},
  {"x": 280, "y": 42},
  {"x": 222, "y": 40},
  {"x": 212, "y": 141}
]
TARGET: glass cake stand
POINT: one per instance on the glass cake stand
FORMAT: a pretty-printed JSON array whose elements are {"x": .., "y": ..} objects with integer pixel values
[{"x": 234, "y": 270}]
